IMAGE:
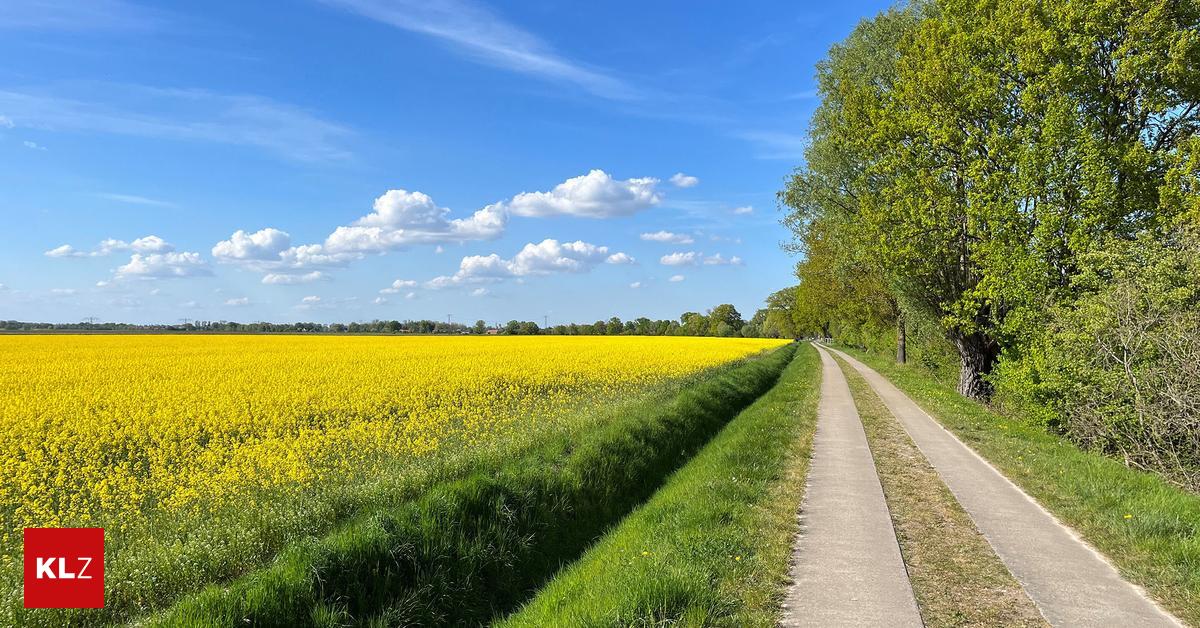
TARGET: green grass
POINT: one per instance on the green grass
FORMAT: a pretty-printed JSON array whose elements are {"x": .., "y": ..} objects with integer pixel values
[
  {"x": 470, "y": 549},
  {"x": 1147, "y": 527},
  {"x": 712, "y": 546}
]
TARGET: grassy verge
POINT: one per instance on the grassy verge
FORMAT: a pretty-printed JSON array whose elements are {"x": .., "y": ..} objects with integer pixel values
[
  {"x": 957, "y": 579},
  {"x": 470, "y": 549},
  {"x": 712, "y": 546},
  {"x": 1148, "y": 528}
]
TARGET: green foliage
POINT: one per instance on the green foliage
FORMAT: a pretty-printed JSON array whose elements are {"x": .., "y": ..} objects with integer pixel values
[
  {"x": 712, "y": 546},
  {"x": 1119, "y": 369},
  {"x": 473, "y": 548},
  {"x": 965, "y": 156}
]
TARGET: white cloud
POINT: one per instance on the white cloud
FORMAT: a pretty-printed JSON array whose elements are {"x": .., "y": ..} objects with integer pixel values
[
  {"x": 65, "y": 250},
  {"x": 401, "y": 219},
  {"x": 62, "y": 292},
  {"x": 163, "y": 265},
  {"x": 190, "y": 305},
  {"x": 619, "y": 258},
  {"x": 689, "y": 258},
  {"x": 667, "y": 236},
  {"x": 681, "y": 180},
  {"x": 398, "y": 286},
  {"x": 151, "y": 244},
  {"x": 692, "y": 258},
  {"x": 635, "y": 285},
  {"x": 6, "y": 122},
  {"x": 743, "y": 210},
  {"x": 718, "y": 260},
  {"x": 262, "y": 245},
  {"x": 479, "y": 292},
  {"x": 439, "y": 250},
  {"x": 147, "y": 244},
  {"x": 380, "y": 300},
  {"x": 103, "y": 284},
  {"x": 311, "y": 300},
  {"x": 3, "y": 287},
  {"x": 238, "y": 302},
  {"x": 411, "y": 295},
  {"x": 286, "y": 279},
  {"x": 593, "y": 195},
  {"x": 546, "y": 257},
  {"x": 676, "y": 278},
  {"x": 487, "y": 37},
  {"x": 33, "y": 145}
]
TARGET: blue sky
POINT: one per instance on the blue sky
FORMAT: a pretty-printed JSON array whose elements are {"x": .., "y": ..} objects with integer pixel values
[{"x": 345, "y": 160}]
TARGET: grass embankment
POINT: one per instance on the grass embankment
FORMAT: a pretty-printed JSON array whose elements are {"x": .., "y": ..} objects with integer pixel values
[
  {"x": 472, "y": 549},
  {"x": 1147, "y": 527},
  {"x": 712, "y": 546},
  {"x": 956, "y": 577}
]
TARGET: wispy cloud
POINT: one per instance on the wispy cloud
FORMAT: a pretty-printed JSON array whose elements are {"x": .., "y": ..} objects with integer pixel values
[
  {"x": 775, "y": 144},
  {"x": 76, "y": 15},
  {"x": 195, "y": 115},
  {"x": 482, "y": 34},
  {"x": 133, "y": 199}
]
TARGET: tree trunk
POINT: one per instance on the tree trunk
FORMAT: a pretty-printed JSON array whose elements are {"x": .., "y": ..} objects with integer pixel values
[
  {"x": 978, "y": 354},
  {"x": 901, "y": 340},
  {"x": 825, "y": 331}
]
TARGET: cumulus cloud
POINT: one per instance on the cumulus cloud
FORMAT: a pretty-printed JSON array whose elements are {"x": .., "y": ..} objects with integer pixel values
[
  {"x": 619, "y": 258},
  {"x": 238, "y": 302},
  {"x": 65, "y": 250},
  {"x": 311, "y": 300},
  {"x": 163, "y": 265},
  {"x": 380, "y": 300},
  {"x": 479, "y": 292},
  {"x": 718, "y": 260},
  {"x": 593, "y": 195},
  {"x": 262, "y": 245},
  {"x": 146, "y": 244},
  {"x": 635, "y": 285},
  {"x": 676, "y": 278},
  {"x": 33, "y": 145},
  {"x": 681, "y": 180},
  {"x": 689, "y": 258},
  {"x": 667, "y": 236},
  {"x": 745, "y": 209},
  {"x": 692, "y": 258},
  {"x": 401, "y": 219},
  {"x": 286, "y": 279},
  {"x": 546, "y": 257},
  {"x": 398, "y": 286}
]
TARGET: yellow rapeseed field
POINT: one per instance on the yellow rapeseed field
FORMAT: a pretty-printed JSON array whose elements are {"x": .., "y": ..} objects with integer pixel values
[{"x": 107, "y": 429}]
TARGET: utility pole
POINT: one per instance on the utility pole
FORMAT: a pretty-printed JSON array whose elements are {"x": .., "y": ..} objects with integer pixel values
[{"x": 545, "y": 321}]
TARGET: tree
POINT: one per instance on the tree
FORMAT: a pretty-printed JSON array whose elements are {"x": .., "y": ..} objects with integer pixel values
[
  {"x": 480, "y": 327},
  {"x": 727, "y": 314}
]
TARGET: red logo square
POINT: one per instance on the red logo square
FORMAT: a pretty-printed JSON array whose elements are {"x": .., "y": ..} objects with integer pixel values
[{"x": 64, "y": 567}]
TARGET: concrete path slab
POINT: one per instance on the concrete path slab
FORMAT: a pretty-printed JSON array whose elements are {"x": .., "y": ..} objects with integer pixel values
[
  {"x": 847, "y": 569},
  {"x": 1070, "y": 582}
]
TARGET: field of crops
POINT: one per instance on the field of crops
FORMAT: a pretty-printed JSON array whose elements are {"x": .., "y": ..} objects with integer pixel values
[{"x": 144, "y": 434}]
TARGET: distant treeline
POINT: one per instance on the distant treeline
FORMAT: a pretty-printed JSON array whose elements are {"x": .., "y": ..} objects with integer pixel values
[{"x": 723, "y": 320}]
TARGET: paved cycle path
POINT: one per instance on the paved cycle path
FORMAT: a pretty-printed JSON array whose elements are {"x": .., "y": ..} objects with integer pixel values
[
  {"x": 847, "y": 569},
  {"x": 1071, "y": 583}
]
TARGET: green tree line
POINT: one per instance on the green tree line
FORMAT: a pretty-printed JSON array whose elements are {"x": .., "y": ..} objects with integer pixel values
[{"x": 1015, "y": 186}]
